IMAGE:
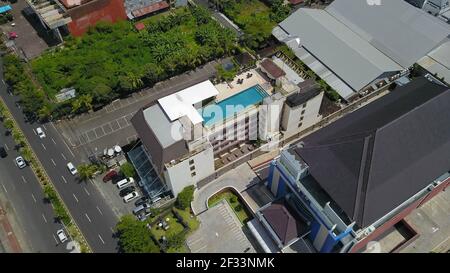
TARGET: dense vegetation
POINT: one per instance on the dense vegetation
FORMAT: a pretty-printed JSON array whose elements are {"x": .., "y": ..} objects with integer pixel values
[
  {"x": 134, "y": 236},
  {"x": 254, "y": 17},
  {"x": 113, "y": 60},
  {"x": 185, "y": 198}
]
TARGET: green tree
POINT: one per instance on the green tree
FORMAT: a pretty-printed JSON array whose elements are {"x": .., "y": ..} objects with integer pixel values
[
  {"x": 185, "y": 197},
  {"x": 128, "y": 170},
  {"x": 86, "y": 171},
  {"x": 176, "y": 240},
  {"x": 82, "y": 103},
  {"x": 134, "y": 236}
]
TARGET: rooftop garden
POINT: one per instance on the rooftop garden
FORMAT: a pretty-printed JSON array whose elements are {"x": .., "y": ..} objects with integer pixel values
[{"x": 113, "y": 60}]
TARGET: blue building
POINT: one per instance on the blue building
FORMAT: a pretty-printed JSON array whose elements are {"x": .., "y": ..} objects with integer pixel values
[{"x": 348, "y": 183}]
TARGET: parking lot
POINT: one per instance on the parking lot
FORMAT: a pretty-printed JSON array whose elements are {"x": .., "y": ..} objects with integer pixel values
[
  {"x": 91, "y": 133},
  {"x": 220, "y": 232},
  {"x": 32, "y": 38}
]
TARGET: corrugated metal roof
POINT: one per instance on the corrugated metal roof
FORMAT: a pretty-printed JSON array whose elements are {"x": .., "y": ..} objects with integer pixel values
[
  {"x": 338, "y": 48},
  {"x": 396, "y": 28}
]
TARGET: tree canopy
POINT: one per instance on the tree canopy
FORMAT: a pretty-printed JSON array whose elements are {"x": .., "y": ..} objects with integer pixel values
[{"x": 134, "y": 236}]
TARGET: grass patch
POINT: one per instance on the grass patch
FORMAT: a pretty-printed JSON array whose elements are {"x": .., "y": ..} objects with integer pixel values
[
  {"x": 238, "y": 207},
  {"x": 190, "y": 219},
  {"x": 175, "y": 229}
]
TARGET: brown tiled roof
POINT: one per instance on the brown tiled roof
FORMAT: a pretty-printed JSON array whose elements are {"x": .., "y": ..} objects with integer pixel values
[
  {"x": 284, "y": 222},
  {"x": 273, "y": 69},
  {"x": 149, "y": 9}
]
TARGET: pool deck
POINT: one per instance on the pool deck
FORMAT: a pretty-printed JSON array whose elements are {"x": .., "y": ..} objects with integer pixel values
[{"x": 229, "y": 89}]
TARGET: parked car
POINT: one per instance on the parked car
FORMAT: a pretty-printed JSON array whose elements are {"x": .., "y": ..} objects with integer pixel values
[
  {"x": 109, "y": 176},
  {"x": 40, "y": 132},
  {"x": 144, "y": 215},
  {"x": 20, "y": 162},
  {"x": 140, "y": 208},
  {"x": 127, "y": 198},
  {"x": 12, "y": 35},
  {"x": 126, "y": 191},
  {"x": 118, "y": 178},
  {"x": 61, "y": 235},
  {"x": 125, "y": 182},
  {"x": 72, "y": 168},
  {"x": 141, "y": 201},
  {"x": 3, "y": 152}
]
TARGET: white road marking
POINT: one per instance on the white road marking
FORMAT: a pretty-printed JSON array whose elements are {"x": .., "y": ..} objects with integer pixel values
[
  {"x": 99, "y": 211},
  {"x": 76, "y": 199},
  {"x": 101, "y": 239},
  {"x": 89, "y": 219},
  {"x": 4, "y": 188},
  {"x": 6, "y": 146},
  {"x": 24, "y": 180},
  {"x": 64, "y": 179},
  {"x": 43, "y": 216},
  {"x": 43, "y": 146},
  {"x": 68, "y": 148},
  {"x": 53, "y": 161},
  {"x": 56, "y": 240},
  {"x": 63, "y": 156},
  {"x": 43, "y": 125},
  {"x": 34, "y": 131},
  {"x": 86, "y": 191},
  {"x": 54, "y": 142},
  {"x": 34, "y": 198}
]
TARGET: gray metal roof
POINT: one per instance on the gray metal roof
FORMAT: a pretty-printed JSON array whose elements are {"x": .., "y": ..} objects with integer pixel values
[
  {"x": 166, "y": 132},
  {"x": 338, "y": 48},
  {"x": 396, "y": 28},
  {"x": 376, "y": 158},
  {"x": 438, "y": 62}
]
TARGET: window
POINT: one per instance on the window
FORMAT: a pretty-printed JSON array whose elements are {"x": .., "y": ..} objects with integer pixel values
[
  {"x": 300, "y": 125},
  {"x": 191, "y": 162},
  {"x": 192, "y": 168},
  {"x": 304, "y": 105},
  {"x": 193, "y": 174},
  {"x": 303, "y": 112},
  {"x": 301, "y": 118}
]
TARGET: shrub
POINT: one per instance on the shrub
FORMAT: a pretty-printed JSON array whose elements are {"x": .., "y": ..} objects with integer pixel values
[
  {"x": 238, "y": 208},
  {"x": 233, "y": 199},
  {"x": 185, "y": 197},
  {"x": 128, "y": 170}
]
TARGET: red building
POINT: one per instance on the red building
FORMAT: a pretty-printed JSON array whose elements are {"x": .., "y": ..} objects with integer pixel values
[{"x": 86, "y": 13}]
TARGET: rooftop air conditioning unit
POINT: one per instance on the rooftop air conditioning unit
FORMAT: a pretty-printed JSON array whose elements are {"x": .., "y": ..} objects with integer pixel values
[{"x": 369, "y": 230}]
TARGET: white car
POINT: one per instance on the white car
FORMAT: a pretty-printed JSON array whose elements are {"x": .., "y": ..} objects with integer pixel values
[
  {"x": 40, "y": 132},
  {"x": 61, "y": 235},
  {"x": 72, "y": 168},
  {"x": 20, "y": 162},
  {"x": 127, "y": 198}
]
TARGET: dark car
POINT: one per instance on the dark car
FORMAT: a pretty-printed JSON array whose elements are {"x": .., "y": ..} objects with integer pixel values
[
  {"x": 141, "y": 201},
  {"x": 117, "y": 178},
  {"x": 3, "y": 152},
  {"x": 126, "y": 191},
  {"x": 109, "y": 176}
]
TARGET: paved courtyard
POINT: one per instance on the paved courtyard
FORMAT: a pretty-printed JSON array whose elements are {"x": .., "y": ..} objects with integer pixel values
[
  {"x": 91, "y": 133},
  {"x": 239, "y": 178},
  {"x": 220, "y": 232}
]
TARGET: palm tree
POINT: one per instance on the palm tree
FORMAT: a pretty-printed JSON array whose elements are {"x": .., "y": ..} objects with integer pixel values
[{"x": 86, "y": 171}]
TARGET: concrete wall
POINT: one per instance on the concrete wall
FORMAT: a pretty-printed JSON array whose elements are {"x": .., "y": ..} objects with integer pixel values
[
  {"x": 180, "y": 175},
  {"x": 292, "y": 117}
]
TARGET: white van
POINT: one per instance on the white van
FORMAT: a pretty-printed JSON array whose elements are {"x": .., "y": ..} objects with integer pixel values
[
  {"x": 127, "y": 198},
  {"x": 125, "y": 182}
]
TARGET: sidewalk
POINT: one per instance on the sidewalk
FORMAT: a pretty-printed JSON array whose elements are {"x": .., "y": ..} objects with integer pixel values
[{"x": 8, "y": 240}]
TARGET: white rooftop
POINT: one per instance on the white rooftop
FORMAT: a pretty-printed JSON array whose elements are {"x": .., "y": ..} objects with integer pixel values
[{"x": 181, "y": 103}]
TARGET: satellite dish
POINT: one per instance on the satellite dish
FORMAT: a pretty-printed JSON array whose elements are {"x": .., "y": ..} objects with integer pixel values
[
  {"x": 110, "y": 152},
  {"x": 117, "y": 149}
]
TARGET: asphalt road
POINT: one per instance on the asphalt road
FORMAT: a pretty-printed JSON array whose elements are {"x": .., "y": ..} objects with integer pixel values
[
  {"x": 90, "y": 211},
  {"x": 25, "y": 199}
]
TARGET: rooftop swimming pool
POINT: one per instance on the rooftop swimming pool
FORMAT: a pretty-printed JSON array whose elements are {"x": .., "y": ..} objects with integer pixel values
[{"x": 235, "y": 104}]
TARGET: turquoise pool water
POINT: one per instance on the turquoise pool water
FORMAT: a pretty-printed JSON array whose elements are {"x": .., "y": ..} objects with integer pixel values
[{"x": 235, "y": 104}]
